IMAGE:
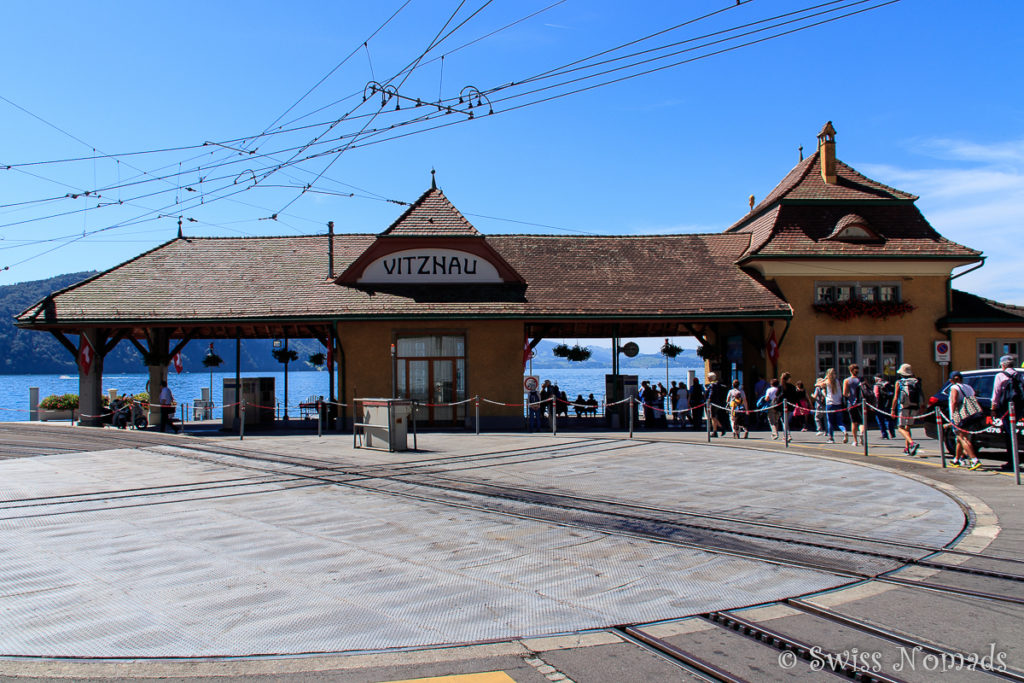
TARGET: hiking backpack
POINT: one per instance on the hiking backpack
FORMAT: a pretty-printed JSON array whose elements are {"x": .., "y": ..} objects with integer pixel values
[
  {"x": 1014, "y": 391},
  {"x": 910, "y": 392}
]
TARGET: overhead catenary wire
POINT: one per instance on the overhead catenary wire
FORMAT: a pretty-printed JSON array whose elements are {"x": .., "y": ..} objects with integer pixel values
[{"x": 367, "y": 135}]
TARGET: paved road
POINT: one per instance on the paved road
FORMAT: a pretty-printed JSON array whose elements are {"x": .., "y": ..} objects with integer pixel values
[{"x": 750, "y": 478}]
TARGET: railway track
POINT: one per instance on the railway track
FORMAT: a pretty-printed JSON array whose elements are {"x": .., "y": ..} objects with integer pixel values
[{"x": 442, "y": 481}]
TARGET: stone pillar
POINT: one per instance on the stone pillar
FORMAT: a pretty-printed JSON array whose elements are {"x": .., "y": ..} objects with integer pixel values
[
  {"x": 90, "y": 386},
  {"x": 33, "y": 403},
  {"x": 159, "y": 346}
]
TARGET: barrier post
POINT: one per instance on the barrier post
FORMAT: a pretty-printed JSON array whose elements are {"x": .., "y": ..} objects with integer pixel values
[
  {"x": 1013, "y": 442},
  {"x": 785, "y": 421},
  {"x": 941, "y": 437},
  {"x": 707, "y": 418},
  {"x": 477, "y": 397},
  {"x": 241, "y": 423},
  {"x": 415, "y": 445},
  {"x": 631, "y": 411},
  {"x": 554, "y": 416},
  {"x": 319, "y": 420},
  {"x": 864, "y": 426}
]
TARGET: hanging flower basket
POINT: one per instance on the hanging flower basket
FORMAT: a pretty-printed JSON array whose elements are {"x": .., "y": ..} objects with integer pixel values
[
  {"x": 670, "y": 350},
  {"x": 285, "y": 355},
  {"x": 212, "y": 360},
  {"x": 317, "y": 360},
  {"x": 879, "y": 310},
  {"x": 574, "y": 353},
  {"x": 707, "y": 352}
]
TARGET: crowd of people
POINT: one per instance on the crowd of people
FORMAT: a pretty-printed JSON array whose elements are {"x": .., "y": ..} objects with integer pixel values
[{"x": 833, "y": 406}]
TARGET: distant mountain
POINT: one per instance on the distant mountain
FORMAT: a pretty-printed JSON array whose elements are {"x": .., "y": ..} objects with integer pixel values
[
  {"x": 31, "y": 352},
  {"x": 601, "y": 357}
]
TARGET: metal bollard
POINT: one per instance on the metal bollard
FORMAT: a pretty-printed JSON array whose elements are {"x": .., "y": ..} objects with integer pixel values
[
  {"x": 785, "y": 421},
  {"x": 631, "y": 412},
  {"x": 554, "y": 417},
  {"x": 707, "y": 418},
  {"x": 415, "y": 445},
  {"x": 1013, "y": 442},
  {"x": 864, "y": 426},
  {"x": 319, "y": 420},
  {"x": 940, "y": 436},
  {"x": 477, "y": 397},
  {"x": 241, "y": 422}
]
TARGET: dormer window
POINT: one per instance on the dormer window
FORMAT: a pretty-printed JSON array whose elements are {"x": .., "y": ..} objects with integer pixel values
[{"x": 853, "y": 228}]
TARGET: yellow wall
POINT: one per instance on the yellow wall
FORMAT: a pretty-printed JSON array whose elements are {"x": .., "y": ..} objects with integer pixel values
[
  {"x": 965, "y": 344},
  {"x": 798, "y": 351},
  {"x": 494, "y": 358}
]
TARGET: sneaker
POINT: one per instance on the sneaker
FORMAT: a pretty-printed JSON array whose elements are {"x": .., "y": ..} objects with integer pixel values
[
  {"x": 955, "y": 463},
  {"x": 975, "y": 465},
  {"x": 914, "y": 448},
  {"x": 820, "y": 434},
  {"x": 884, "y": 436},
  {"x": 830, "y": 440},
  {"x": 906, "y": 450}
]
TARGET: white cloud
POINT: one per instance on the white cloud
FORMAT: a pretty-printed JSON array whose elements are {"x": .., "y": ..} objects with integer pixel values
[{"x": 977, "y": 201}]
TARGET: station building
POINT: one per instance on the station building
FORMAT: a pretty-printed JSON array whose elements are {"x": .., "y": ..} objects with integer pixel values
[{"x": 832, "y": 266}]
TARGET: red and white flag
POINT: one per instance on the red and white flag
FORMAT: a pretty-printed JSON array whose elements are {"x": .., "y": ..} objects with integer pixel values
[
  {"x": 178, "y": 366},
  {"x": 771, "y": 347},
  {"x": 85, "y": 355}
]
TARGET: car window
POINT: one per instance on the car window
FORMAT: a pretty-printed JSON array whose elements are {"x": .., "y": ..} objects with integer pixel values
[{"x": 982, "y": 384}]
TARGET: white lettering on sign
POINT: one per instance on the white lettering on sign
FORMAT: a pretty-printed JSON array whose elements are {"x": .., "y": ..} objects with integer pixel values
[{"x": 430, "y": 265}]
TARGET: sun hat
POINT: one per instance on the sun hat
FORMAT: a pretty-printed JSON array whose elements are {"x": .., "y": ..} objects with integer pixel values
[{"x": 905, "y": 370}]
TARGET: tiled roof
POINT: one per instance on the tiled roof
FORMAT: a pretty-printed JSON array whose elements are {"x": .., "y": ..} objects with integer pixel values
[
  {"x": 973, "y": 309},
  {"x": 797, "y": 218},
  {"x": 432, "y": 215},
  {"x": 237, "y": 279},
  {"x": 804, "y": 183},
  {"x": 803, "y": 231}
]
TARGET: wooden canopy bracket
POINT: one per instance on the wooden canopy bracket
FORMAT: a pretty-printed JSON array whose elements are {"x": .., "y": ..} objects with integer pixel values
[{"x": 66, "y": 343}]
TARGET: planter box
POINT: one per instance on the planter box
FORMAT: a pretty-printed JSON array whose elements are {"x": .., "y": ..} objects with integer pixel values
[{"x": 55, "y": 415}]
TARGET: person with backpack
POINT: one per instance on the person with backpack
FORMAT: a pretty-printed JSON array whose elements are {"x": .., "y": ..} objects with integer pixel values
[
  {"x": 820, "y": 405},
  {"x": 966, "y": 416},
  {"x": 1008, "y": 388},
  {"x": 884, "y": 393},
  {"x": 906, "y": 401},
  {"x": 852, "y": 397}
]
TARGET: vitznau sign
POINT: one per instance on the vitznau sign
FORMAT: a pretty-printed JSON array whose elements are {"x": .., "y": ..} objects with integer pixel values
[{"x": 430, "y": 266}]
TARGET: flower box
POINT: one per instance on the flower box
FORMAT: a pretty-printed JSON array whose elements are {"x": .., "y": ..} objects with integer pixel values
[{"x": 55, "y": 415}]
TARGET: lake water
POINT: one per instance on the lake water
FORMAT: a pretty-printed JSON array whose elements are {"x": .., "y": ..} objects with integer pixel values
[{"x": 187, "y": 386}]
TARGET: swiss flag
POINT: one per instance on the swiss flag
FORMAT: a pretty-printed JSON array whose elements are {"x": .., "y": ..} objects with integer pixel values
[
  {"x": 85, "y": 355},
  {"x": 771, "y": 347},
  {"x": 177, "y": 363}
]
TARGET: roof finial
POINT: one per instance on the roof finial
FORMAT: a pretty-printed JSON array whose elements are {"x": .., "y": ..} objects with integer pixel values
[
  {"x": 801, "y": 148},
  {"x": 433, "y": 180},
  {"x": 179, "y": 227}
]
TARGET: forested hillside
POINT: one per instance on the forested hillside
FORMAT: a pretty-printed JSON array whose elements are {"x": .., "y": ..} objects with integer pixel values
[{"x": 29, "y": 352}]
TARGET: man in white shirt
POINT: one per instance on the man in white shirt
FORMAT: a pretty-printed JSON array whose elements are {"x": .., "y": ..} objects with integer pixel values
[
  {"x": 166, "y": 408},
  {"x": 1001, "y": 392}
]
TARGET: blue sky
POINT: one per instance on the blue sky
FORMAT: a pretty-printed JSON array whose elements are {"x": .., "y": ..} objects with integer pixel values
[{"x": 925, "y": 96}]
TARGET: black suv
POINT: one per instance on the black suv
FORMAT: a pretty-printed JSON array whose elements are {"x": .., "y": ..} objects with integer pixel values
[{"x": 982, "y": 382}]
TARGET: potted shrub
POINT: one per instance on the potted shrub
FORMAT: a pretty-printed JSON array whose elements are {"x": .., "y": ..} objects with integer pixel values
[{"x": 58, "y": 407}]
